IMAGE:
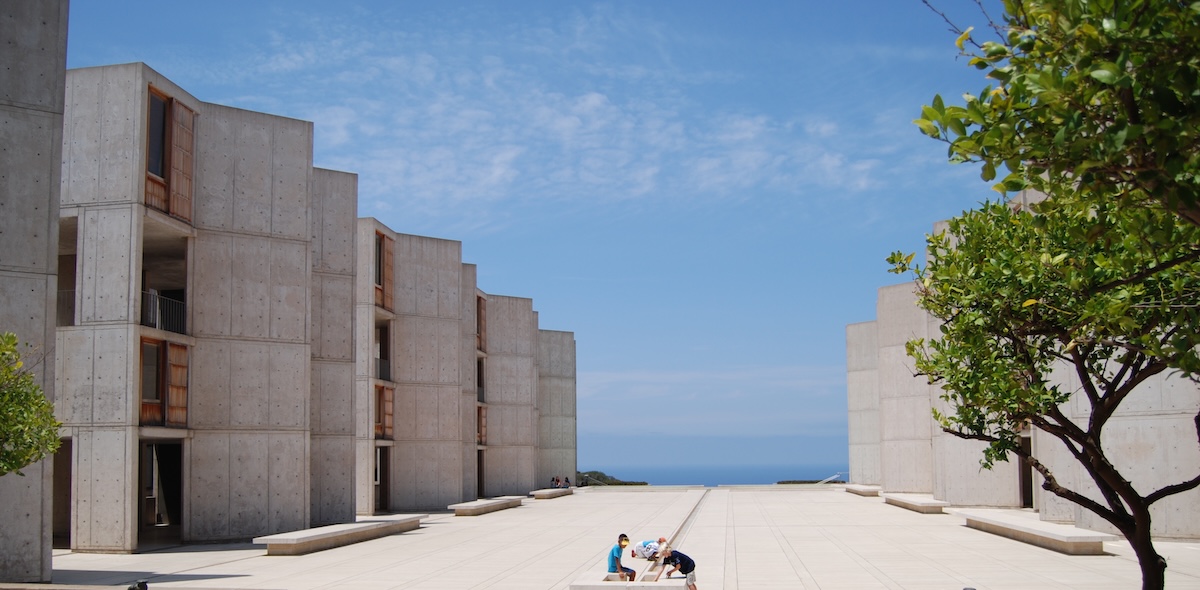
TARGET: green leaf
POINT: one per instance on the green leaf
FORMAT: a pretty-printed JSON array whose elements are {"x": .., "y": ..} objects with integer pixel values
[
  {"x": 962, "y": 38},
  {"x": 1029, "y": 302},
  {"x": 927, "y": 128}
]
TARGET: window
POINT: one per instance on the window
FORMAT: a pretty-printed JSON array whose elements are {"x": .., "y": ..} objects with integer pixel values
[
  {"x": 164, "y": 383},
  {"x": 384, "y": 399},
  {"x": 384, "y": 252},
  {"x": 169, "y": 150},
  {"x": 480, "y": 425},
  {"x": 383, "y": 358},
  {"x": 480, "y": 323}
]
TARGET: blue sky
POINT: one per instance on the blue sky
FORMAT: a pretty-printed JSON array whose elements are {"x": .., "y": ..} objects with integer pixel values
[{"x": 703, "y": 192}]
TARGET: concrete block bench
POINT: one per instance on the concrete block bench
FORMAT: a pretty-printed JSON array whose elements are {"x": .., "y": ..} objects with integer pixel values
[
  {"x": 602, "y": 580},
  {"x": 485, "y": 505},
  {"x": 862, "y": 490},
  {"x": 337, "y": 535},
  {"x": 548, "y": 493},
  {"x": 1028, "y": 528},
  {"x": 923, "y": 503}
]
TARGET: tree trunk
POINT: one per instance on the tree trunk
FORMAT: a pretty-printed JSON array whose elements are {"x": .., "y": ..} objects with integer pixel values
[{"x": 1154, "y": 567}]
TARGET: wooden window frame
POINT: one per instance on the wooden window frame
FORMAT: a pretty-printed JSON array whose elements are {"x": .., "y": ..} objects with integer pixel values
[
  {"x": 385, "y": 282},
  {"x": 171, "y": 192},
  {"x": 385, "y": 403},
  {"x": 170, "y": 406}
]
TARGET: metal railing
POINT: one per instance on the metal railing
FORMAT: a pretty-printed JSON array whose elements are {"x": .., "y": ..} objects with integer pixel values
[{"x": 163, "y": 313}]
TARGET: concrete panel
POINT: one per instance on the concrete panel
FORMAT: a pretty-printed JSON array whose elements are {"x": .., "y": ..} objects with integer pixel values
[
  {"x": 108, "y": 264},
  {"x": 290, "y": 275},
  {"x": 212, "y": 287},
  {"x": 25, "y": 510},
  {"x": 426, "y": 475},
  {"x": 333, "y": 472},
  {"x": 864, "y": 464},
  {"x": 250, "y": 484},
  {"x": 364, "y": 476},
  {"x": 509, "y": 471},
  {"x": 291, "y": 174},
  {"x": 29, "y": 186},
  {"x": 862, "y": 389},
  {"x": 333, "y": 402},
  {"x": 906, "y": 418},
  {"x": 209, "y": 469},
  {"x": 73, "y": 377},
  {"x": 896, "y": 379},
  {"x": 898, "y": 319},
  {"x": 35, "y": 36},
  {"x": 250, "y": 377},
  {"x": 334, "y": 209},
  {"x": 104, "y": 132},
  {"x": 104, "y": 482},
  {"x": 252, "y": 287},
  {"x": 290, "y": 388},
  {"x": 333, "y": 317},
  {"x": 961, "y": 481},
  {"x": 907, "y": 466},
  {"x": 216, "y": 170},
  {"x": 209, "y": 396},
  {"x": 113, "y": 378},
  {"x": 862, "y": 346}
]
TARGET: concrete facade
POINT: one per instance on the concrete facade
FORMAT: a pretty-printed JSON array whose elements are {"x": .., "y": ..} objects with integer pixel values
[
  {"x": 237, "y": 354},
  {"x": 32, "y": 66},
  {"x": 448, "y": 380},
  {"x": 207, "y": 359},
  {"x": 895, "y": 443}
]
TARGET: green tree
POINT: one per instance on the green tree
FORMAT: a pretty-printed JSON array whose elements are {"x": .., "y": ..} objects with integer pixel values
[
  {"x": 1020, "y": 295},
  {"x": 28, "y": 430},
  {"x": 1095, "y": 99}
]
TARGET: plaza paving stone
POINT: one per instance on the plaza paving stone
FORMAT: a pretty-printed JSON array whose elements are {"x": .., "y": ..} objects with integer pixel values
[{"x": 742, "y": 538}]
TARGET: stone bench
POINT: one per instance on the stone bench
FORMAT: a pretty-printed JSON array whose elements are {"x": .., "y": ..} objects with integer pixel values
[
  {"x": 337, "y": 535},
  {"x": 485, "y": 505},
  {"x": 1028, "y": 528},
  {"x": 923, "y": 503},
  {"x": 548, "y": 493},
  {"x": 601, "y": 580},
  {"x": 862, "y": 490}
]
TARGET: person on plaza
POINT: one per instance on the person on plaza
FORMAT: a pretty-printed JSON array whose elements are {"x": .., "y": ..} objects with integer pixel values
[
  {"x": 681, "y": 563},
  {"x": 566, "y": 482},
  {"x": 648, "y": 549},
  {"x": 614, "y": 560}
]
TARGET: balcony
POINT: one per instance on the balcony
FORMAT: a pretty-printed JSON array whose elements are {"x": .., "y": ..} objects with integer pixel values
[
  {"x": 383, "y": 369},
  {"x": 66, "y": 309},
  {"x": 163, "y": 313}
]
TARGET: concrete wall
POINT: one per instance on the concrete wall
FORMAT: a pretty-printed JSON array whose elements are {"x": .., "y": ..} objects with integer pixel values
[
  {"x": 1151, "y": 439},
  {"x": 32, "y": 67},
  {"x": 251, "y": 286},
  {"x": 333, "y": 411},
  {"x": 468, "y": 408},
  {"x": 556, "y": 405},
  {"x": 862, "y": 391},
  {"x": 365, "y": 318},
  {"x": 511, "y": 459},
  {"x": 427, "y": 347},
  {"x": 905, "y": 422}
]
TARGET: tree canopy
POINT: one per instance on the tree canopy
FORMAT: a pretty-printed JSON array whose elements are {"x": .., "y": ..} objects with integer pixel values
[
  {"x": 1096, "y": 98},
  {"x": 28, "y": 430}
]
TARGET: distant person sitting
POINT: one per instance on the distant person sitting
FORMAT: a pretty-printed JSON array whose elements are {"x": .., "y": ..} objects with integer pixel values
[
  {"x": 614, "y": 560},
  {"x": 566, "y": 482},
  {"x": 682, "y": 563},
  {"x": 648, "y": 549}
]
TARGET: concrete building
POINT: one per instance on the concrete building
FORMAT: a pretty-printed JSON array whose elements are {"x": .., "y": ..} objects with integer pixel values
[
  {"x": 448, "y": 379},
  {"x": 32, "y": 65},
  {"x": 206, "y": 347},
  {"x": 895, "y": 443}
]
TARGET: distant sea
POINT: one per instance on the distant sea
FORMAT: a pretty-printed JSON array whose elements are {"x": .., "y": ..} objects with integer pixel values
[{"x": 714, "y": 475}]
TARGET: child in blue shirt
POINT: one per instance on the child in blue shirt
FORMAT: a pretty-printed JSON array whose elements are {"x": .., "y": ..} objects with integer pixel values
[{"x": 614, "y": 559}]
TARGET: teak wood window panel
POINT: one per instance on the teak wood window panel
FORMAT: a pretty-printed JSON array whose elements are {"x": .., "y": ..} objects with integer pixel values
[
  {"x": 385, "y": 252},
  {"x": 481, "y": 425},
  {"x": 481, "y": 324},
  {"x": 164, "y": 384},
  {"x": 384, "y": 404},
  {"x": 170, "y": 149}
]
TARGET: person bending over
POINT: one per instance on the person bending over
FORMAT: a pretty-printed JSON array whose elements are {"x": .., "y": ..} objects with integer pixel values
[{"x": 681, "y": 563}]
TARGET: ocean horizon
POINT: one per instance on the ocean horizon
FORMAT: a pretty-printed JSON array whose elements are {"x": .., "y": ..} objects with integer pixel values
[{"x": 715, "y": 475}]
